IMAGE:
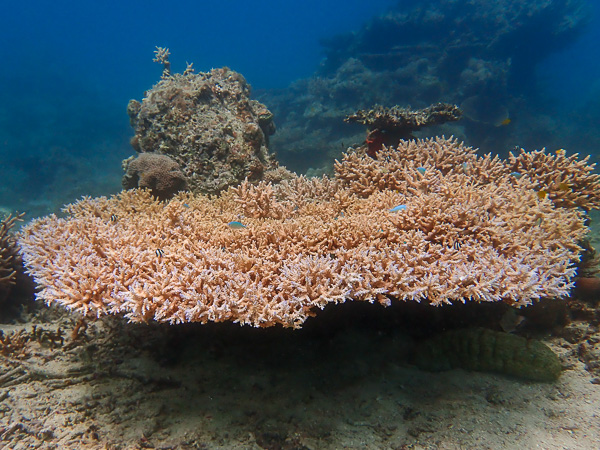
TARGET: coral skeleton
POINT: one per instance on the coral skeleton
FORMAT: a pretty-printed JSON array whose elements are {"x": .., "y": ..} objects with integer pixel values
[{"x": 468, "y": 231}]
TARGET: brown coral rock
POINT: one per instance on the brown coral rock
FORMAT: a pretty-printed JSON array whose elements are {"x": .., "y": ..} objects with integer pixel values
[
  {"x": 208, "y": 124},
  {"x": 158, "y": 173}
]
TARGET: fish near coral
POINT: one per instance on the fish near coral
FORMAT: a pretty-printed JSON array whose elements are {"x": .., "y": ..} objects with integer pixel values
[{"x": 234, "y": 224}]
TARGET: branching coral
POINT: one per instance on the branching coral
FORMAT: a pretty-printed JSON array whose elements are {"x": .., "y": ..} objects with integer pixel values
[
  {"x": 568, "y": 180},
  {"x": 307, "y": 243},
  {"x": 9, "y": 257}
]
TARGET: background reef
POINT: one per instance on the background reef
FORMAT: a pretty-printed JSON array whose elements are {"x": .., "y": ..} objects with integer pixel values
[
  {"x": 64, "y": 133},
  {"x": 486, "y": 57}
]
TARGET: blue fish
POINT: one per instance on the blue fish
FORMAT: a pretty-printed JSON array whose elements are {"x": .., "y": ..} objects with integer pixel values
[
  {"x": 421, "y": 170},
  {"x": 186, "y": 205},
  {"x": 236, "y": 225},
  {"x": 398, "y": 208},
  {"x": 515, "y": 174}
]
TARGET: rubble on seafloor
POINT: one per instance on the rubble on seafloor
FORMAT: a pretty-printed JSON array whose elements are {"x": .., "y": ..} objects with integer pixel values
[{"x": 113, "y": 385}]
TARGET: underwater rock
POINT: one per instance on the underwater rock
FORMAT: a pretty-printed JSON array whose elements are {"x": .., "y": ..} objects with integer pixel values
[
  {"x": 485, "y": 350},
  {"x": 207, "y": 123},
  {"x": 159, "y": 173}
]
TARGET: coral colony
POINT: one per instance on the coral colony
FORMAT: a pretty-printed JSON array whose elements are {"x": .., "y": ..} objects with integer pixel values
[{"x": 429, "y": 220}]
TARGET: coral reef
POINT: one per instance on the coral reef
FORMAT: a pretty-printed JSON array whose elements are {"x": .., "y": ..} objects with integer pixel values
[
  {"x": 448, "y": 226},
  {"x": 480, "y": 55},
  {"x": 567, "y": 181},
  {"x": 158, "y": 173},
  {"x": 207, "y": 123},
  {"x": 489, "y": 351}
]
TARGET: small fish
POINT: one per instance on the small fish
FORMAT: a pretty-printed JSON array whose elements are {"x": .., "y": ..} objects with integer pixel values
[
  {"x": 398, "y": 208},
  {"x": 465, "y": 167},
  {"x": 236, "y": 225},
  {"x": 542, "y": 194},
  {"x": 561, "y": 152},
  {"x": 517, "y": 175},
  {"x": 538, "y": 222},
  {"x": 456, "y": 245},
  {"x": 510, "y": 321},
  {"x": 113, "y": 218},
  {"x": 564, "y": 187},
  {"x": 504, "y": 122},
  {"x": 421, "y": 170},
  {"x": 159, "y": 252},
  {"x": 186, "y": 205}
]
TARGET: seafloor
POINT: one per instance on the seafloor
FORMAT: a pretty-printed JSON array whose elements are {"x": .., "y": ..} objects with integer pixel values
[{"x": 344, "y": 381}]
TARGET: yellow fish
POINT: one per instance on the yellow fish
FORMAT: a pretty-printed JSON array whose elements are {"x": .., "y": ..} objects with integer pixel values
[
  {"x": 542, "y": 194},
  {"x": 563, "y": 187},
  {"x": 505, "y": 122},
  {"x": 561, "y": 152}
]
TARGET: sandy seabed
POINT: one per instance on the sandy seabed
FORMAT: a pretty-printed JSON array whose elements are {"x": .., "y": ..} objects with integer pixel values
[{"x": 115, "y": 385}]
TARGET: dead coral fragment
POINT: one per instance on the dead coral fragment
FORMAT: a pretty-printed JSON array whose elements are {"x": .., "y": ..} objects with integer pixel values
[
  {"x": 161, "y": 56},
  {"x": 405, "y": 120}
]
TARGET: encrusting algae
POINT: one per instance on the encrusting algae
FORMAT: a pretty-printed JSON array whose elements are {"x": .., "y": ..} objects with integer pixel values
[{"x": 468, "y": 230}]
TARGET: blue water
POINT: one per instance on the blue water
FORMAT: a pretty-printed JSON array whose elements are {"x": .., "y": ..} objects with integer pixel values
[{"x": 69, "y": 68}]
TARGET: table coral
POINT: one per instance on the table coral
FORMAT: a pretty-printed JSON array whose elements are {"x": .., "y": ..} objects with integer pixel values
[
  {"x": 469, "y": 231},
  {"x": 388, "y": 126}
]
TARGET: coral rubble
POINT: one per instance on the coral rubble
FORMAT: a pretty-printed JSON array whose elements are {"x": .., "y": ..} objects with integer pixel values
[
  {"x": 207, "y": 123},
  {"x": 448, "y": 226}
]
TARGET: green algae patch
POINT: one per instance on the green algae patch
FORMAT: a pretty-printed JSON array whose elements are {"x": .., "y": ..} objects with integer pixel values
[{"x": 485, "y": 350}]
